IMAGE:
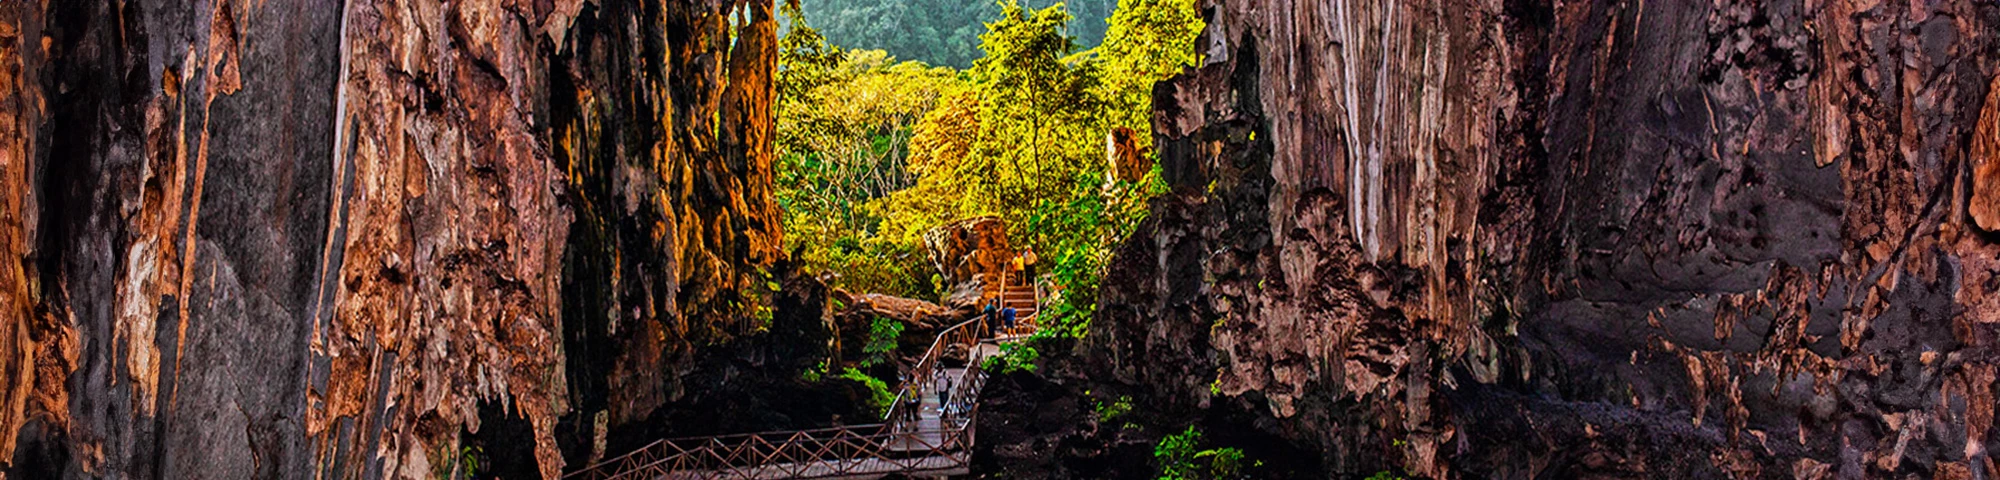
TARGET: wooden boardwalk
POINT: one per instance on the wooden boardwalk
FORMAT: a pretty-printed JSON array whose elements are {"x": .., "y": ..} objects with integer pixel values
[
  {"x": 862, "y": 468},
  {"x": 932, "y": 439}
]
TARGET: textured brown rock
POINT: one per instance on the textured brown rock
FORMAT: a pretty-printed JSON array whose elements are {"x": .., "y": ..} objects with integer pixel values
[
  {"x": 970, "y": 250},
  {"x": 660, "y": 118},
  {"x": 1122, "y": 153},
  {"x": 1985, "y": 162},
  {"x": 295, "y": 239},
  {"x": 37, "y": 351},
  {"x": 1654, "y": 239},
  {"x": 867, "y": 306},
  {"x": 448, "y": 281}
]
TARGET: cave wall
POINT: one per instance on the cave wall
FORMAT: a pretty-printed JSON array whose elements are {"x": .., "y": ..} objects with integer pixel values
[
  {"x": 661, "y": 117},
  {"x": 1694, "y": 239},
  {"x": 304, "y": 238}
]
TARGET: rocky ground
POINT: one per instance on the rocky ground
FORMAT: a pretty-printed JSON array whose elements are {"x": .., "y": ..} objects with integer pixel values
[{"x": 1054, "y": 423}]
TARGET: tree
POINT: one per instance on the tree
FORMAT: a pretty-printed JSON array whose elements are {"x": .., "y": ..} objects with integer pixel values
[
  {"x": 1148, "y": 41},
  {"x": 937, "y": 32},
  {"x": 844, "y": 120},
  {"x": 1019, "y": 135}
]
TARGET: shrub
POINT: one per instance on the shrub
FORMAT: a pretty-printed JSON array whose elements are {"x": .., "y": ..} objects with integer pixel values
[
  {"x": 1181, "y": 458},
  {"x": 1116, "y": 408},
  {"x": 812, "y": 375},
  {"x": 879, "y": 396},
  {"x": 1013, "y": 357},
  {"x": 883, "y": 336}
]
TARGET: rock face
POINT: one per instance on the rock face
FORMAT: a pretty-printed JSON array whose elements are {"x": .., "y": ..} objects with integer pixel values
[
  {"x": 660, "y": 117},
  {"x": 1610, "y": 238},
  {"x": 1125, "y": 158},
  {"x": 302, "y": 238},
  {"x": 970, "y": 250}
]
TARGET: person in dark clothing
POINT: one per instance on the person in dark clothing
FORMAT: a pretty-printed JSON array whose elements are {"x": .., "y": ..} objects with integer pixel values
[
  {"x": 991, "y": 318},
  {"x": 1007, "y": 317}
]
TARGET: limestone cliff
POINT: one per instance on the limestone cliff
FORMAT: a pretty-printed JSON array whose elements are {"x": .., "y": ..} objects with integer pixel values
[
  {"x": 321, "y": 239},
  {"x": 1601, "y": 238}
]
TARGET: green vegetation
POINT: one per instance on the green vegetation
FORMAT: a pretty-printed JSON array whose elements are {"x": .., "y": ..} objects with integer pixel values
[
  {"x": 1181, "y": 458},
  {"x": 1385, "y": 475},
  {"x": 813, "y": 374},
  {"x": 940, "y": 32},
  {"x": 460, "y": 463},
  {"x": 874, "y": 152},
  {"x": 879, "y": 397},
  {"x": 844, "y": 123},
  {"x": 1013, "y": 357},
  {"x": 1108, "y": 411},
  {"x": 881, "y": 347},
  {"x": 469, "y": 458}
]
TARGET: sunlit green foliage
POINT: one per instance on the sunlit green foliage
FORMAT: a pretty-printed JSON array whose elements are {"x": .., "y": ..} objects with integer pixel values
[
  {"x": 1025, "y": 141},
  {"x": 814, "y": 373},
  {"x": 844, "y": 122},
  {"x": 879, "y": 397},
  {"x": 1181, "y": 457},
  {"x": 881, "y": 346},
  {"x": 1013, "y": 357},
  {"x": 874, "y": 153},
  {"x": 1118, "y": 407}
]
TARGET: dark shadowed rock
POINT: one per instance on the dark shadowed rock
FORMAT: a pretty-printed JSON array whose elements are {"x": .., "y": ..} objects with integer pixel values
[
  {"x": 300, "y": 238},
  {"x": 1600, "y": 238}
]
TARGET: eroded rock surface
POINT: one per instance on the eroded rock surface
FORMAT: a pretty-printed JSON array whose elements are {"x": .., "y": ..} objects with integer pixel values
[
  {"x": 967, "y": 252},
  {"x": 319, "y": 239},
  {"x": 1600, "y": 238}
]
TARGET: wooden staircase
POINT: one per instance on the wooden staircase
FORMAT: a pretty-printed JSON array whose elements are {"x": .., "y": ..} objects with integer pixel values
[{"x": 1021, "y": 295}]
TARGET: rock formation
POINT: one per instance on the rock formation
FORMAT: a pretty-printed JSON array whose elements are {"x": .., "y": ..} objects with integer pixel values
[
  {"x": 303, "y": 238},
  {"x": 308, "y": 238},
  {"x": 968, "y": 251},
  {"x": 1123, "y": 156},
  {"x": 1599, "y": 238}
]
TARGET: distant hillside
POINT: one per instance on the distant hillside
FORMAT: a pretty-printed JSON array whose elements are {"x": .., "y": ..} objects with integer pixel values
[{"x": 938, "y": 32}]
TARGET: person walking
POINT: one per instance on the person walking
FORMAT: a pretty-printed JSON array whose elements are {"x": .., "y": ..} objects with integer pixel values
[
  {"x": 1007, "y": 317},
  {"x": 1028, "y": 260},
  {"x": 992, "y": 310},
  {"x": 944, "y": 395}
]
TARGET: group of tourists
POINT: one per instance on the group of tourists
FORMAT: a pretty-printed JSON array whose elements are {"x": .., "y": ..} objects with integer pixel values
[
  {"x": 1023, "y": 263},
  {"x": 998, "y": 314}
]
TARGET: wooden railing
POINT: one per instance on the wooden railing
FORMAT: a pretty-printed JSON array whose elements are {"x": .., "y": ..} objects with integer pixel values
[
  {"x": 923, "y": 377},
  {"x": 901, "y": 444},
  {"x": 832, "y": 452},
  {"x": 1028, "y": 321}
]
